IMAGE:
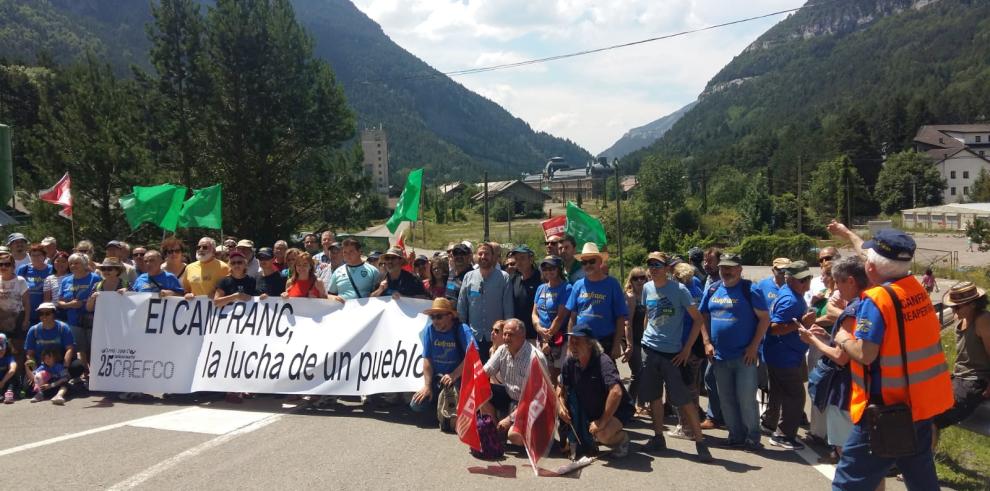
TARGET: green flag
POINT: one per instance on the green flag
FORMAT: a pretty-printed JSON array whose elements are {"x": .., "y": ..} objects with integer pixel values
[
  {"x": 584, "y": 227},
  {"x": 159, "y": 205},
  {"x": 203, "y": 209},
  {"x": 6, "y": 167},
  {"x": 408, "y": 208}
]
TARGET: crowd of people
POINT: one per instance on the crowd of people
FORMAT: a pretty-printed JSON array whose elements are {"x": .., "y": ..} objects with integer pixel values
[{"x": 861, "y": 334}]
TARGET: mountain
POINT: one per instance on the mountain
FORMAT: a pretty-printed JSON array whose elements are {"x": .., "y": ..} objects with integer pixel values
[
  {"x": 431, "y": 120},
  {"x": 645, "y": 135},
  {"x": 839, "y": 77}
]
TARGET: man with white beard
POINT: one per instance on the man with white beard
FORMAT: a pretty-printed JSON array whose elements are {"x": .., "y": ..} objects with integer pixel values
[{"x": 202, "y": 276}]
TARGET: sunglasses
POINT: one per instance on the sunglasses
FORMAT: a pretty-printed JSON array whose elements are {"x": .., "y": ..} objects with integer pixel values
[
  {"x": 824, "y": 258},
  {"x": 639, "y": 278},
  {"x": 655, "y": 265},
  {"x": 587, "y": 262},
  {"x": 438, "y": 316}
]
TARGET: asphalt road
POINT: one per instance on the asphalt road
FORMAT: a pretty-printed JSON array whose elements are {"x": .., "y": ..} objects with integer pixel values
[{"x": 100, "y": 443}]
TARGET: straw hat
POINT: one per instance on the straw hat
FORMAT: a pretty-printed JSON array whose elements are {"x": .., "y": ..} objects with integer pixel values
[
  {"x": 962, "y": 293},
  {"x": 441, "y": 306},
  {"x": 111, "y": 262},
  {"x": 590, "y": 250}
]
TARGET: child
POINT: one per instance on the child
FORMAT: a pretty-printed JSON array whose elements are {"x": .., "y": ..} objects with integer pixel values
[
  {"x": 8, "y": 369},
  {"x": 49, "y": 376}
]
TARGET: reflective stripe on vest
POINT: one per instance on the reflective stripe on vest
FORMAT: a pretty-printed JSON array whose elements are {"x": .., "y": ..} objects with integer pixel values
[{"x": 930, "y": 392}]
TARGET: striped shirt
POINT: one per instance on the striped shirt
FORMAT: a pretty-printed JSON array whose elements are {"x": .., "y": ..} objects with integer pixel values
[{"x": 513, "y": 370}]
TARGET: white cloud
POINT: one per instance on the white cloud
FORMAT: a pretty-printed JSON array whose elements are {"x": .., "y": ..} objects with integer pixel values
[{"x": 590, "y": 99}]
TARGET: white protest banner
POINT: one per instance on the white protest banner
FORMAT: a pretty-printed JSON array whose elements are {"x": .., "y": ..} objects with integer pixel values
[{"x": 143, "y": 343}]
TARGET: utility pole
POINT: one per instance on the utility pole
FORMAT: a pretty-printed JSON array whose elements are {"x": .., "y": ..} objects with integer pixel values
[
  {"x": 800, "y": 204},
  {"x": 486, "y": 207},
  {"x": 914, "y": 192},
  {"x": 849, "y": 209},
  {"x": 618, "y": 218},
  {"x": 512, "y": 209}
]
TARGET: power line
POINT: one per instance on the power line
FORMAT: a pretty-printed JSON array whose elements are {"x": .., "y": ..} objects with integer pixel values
[{"x": 503, "y": 66}]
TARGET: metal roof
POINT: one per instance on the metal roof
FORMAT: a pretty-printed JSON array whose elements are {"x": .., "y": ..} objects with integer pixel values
[{"x": 952, "y": 208}]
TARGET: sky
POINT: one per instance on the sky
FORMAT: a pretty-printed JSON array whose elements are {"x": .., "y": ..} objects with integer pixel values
[{"x": 594, "y": 99}]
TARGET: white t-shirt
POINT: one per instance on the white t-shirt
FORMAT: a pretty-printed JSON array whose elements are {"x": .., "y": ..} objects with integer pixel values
[
  {"x": 21, "y": 262},
  {"x": 12, "y": 294}
]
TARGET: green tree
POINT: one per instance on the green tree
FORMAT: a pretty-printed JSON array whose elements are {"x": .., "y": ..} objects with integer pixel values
[
  {"x": 661, "y": 190},
  {"x": 835, "y": 186},
  {"x": 980, "y": 191},
  {"x": 91, "y": 127},
  {"x": 274, "y": 112},
  {"x": 756, "y": 206},
  {"x": 182, "y": 86},
  {"x": 908, "y": 178}
]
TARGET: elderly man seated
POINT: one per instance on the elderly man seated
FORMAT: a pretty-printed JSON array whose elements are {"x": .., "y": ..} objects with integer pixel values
[
  {"x": 508, "y": 369},
  {"x": 445, "y": 340},
  {"x": 592, "y": 398}
]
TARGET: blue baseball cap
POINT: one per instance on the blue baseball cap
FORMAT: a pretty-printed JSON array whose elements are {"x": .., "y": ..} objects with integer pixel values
[
  {"x": 581, "y": 331},
  {"x": 522, "y": 249},
  {"x": 892, "y": 244}
]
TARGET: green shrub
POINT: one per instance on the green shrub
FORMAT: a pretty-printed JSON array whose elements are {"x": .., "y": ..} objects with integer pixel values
[{"x": 762, "y": 249}]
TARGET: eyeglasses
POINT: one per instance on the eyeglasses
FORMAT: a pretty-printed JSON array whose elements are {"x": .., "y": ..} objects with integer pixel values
[
  {"x": 587, "y": 262},
  {"x": 655, "y": 265},
  {"x": 639, "y": 278},
  {"x": 824, "y": 258},
  {"x": 173, "y": 251}
]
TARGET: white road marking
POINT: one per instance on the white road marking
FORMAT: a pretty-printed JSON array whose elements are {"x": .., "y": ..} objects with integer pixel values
[
  {"x": 151, "y": 472},
  {"x": 811, "y": 457},
  {"x": 203, "y": 420},
  {"x": 92, "y": 431}
]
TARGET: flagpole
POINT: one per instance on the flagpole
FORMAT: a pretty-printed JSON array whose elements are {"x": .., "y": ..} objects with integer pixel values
[{"x": 72, "y": 222}]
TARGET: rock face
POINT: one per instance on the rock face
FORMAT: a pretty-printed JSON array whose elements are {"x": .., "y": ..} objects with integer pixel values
[{"x": 645, "y": 135}]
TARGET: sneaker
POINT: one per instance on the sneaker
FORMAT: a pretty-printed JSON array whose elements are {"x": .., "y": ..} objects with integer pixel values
[
  {"x": 8, "y": 397},
  {"x": 751, "y": 446},
  {"x": 767, "y": 430},
  {"x": 679, "y": 434},
  {"x": 704, "y": 455},
  {"x": 709, "y": 424},
  {"x": 656, "y": 444},
  {"x": 38, "y": 397},
  {"x": 58, "y": 400},
  {"x": 622, "y": 449},
  {"x": 786, "y": 443}
]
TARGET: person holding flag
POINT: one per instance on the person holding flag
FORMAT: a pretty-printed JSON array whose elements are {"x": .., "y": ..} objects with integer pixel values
[
  {"x": 510, "y": 364},
  {"x": 591, "y": 391}
]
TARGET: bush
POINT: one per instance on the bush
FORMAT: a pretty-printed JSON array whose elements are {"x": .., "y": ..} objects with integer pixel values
[{"x": 762, "y": 249}]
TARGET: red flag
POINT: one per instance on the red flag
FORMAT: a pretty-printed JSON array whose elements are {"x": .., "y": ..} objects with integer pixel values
[
  {"x": 401, "y": 244},
  {"x": 554, "y": 226},
  {"x": 59, "y": 194},
  {"x": 536, "y": 416},
  {"x": 476, "y": 390}
]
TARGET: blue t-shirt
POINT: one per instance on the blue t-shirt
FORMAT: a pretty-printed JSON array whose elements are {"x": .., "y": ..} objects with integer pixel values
[
  {"x": 733, "y": 323},
  {"x": 38, "y": 338},
  {"x": 441, "y": 347},
  {"x": 870, "y": 327},
  {"x": 55, "y": 372},
  {"x": 695, "y": 290},
  {"x": 5, "y": 362},
  {"x": 598, "y": 304},
  {"x": 162, "y": 281},
  {"x": 666, "y": 308},
  {"x": 36, "y": 285},
  {"x": 548, "y": 299},
  {"x": 77, "y": 289},
  {"x": 344, "y": 278},
  {"x": 769, "y": 289},
  {"x": 786, "y": 351}
]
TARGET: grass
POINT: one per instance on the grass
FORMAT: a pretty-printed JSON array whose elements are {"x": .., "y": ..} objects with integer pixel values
[
  {"x": 524, "y": 231},
  {"x": 962, "y": 458}
]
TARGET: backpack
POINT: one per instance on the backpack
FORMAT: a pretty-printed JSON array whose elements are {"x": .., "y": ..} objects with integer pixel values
[
  {"x": 491, "y": 446},
  {"x": 447, "y": 408}
]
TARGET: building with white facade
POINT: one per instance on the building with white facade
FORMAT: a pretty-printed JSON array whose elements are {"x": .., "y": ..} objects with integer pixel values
[
  {"x": 945, "y": 217},
  {"x": 374, "y": 143},
  {"x": 959, "y": 151}
]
